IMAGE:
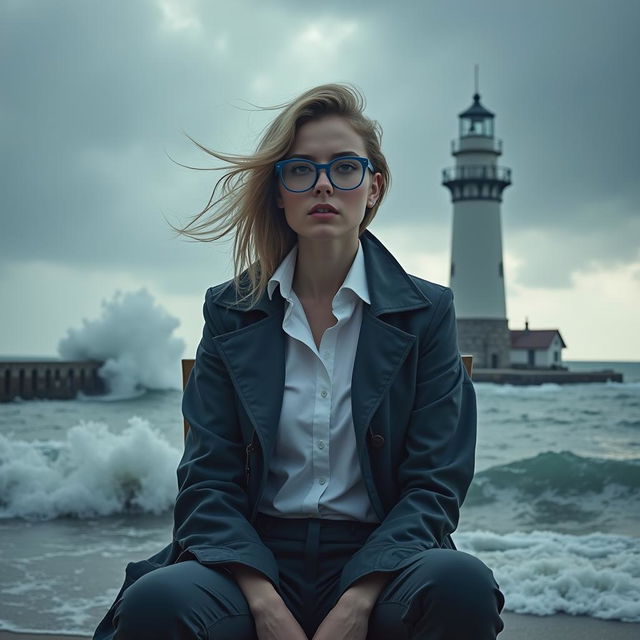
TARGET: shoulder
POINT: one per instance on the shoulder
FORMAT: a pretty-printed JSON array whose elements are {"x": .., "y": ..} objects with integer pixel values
[
  {"x": 438, "y": 294},
  {"x": 225, "y": 308},
  {"x": 440, "y": 313},
  {"x": 211, "y": 308},
  {"x": 215, "y": 292}
]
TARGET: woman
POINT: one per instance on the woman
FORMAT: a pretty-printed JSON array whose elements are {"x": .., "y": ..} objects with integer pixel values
[{"x": 332, "y": 423}]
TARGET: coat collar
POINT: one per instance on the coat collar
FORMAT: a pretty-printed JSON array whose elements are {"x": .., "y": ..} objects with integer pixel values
[
  {"x": 390, "y": 287},
  {"x": 355, "y": 281}
]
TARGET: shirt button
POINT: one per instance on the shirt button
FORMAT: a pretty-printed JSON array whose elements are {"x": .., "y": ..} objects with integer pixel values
[
  {"x": 322, "y": 480},
  {"x": 323, "y": 393},
  {"x": 321, "y": 444},
  {"x": 377, "y": 440}
]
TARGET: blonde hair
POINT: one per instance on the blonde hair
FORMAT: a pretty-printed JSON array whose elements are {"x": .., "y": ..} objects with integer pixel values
[{"x": 247, "y": 203}]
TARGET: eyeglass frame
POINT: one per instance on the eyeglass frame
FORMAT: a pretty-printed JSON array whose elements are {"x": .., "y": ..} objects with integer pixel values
[{"x": 319, "y": 166}]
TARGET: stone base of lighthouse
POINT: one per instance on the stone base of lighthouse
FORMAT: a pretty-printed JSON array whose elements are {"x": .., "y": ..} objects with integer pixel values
[{"x": 487, "y": 340}]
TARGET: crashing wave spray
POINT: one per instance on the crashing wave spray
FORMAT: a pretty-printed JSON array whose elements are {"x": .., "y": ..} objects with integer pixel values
[{"x": 133, "y": 339}]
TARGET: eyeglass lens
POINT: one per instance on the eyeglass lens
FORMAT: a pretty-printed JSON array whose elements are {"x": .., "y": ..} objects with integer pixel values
[{"x": 344, "y": 173}]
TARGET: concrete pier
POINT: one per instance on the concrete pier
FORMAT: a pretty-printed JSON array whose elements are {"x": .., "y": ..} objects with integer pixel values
[{"x": 52, "y": 379}]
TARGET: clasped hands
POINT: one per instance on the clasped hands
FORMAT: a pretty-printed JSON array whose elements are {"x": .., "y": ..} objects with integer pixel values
[{"x": 347, "y": 620}]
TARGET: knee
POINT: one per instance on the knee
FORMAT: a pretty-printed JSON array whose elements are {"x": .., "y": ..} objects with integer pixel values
[
  {"x": 460, "y": 581},
  {"x": 454, "y": 594},
  {"x": 150, "y": 608}
]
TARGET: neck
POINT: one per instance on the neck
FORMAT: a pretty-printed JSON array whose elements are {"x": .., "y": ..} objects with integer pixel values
[{"x": 322, "y": 266}]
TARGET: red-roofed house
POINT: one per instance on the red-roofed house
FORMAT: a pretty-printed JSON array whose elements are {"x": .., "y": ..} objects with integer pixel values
[{"x": 536, "y": 347}]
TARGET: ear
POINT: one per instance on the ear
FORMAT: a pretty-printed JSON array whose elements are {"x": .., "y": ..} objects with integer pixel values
[
  {"x": 374, "y": 189},
  {"x": 278, "y": 197}
]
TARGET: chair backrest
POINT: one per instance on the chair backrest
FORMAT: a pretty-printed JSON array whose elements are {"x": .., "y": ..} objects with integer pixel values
[{"x": 187, "y": 365}]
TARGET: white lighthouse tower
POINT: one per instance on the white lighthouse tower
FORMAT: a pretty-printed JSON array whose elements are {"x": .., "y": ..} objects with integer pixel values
[{"x": 476, "y": 184}]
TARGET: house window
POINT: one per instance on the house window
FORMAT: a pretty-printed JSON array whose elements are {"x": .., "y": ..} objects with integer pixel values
[{"x": 556, "y": 357}]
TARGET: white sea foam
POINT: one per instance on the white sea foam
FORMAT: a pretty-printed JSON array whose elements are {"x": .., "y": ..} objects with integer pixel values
[
  {"x": 542, "y": 572},
  {"x": 133, "y": 339},
  {"x": 496, "y": 389},
  {"x": 92, "y": 472}
]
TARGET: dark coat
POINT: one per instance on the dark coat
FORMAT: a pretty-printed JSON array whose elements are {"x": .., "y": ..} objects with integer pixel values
[{"x": 414, "y": 413}]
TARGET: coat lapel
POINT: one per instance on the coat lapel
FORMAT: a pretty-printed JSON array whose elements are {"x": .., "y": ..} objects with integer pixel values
[
  {"x": 255, "y": 358},
  {"x": 255, "y": 354}
]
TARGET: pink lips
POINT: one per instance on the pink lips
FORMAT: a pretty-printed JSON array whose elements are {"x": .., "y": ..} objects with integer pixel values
[{"x": 328, "y": 210}]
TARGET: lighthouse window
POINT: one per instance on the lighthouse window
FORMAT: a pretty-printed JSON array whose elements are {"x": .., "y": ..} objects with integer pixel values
[{"x": 475, "y": 127}]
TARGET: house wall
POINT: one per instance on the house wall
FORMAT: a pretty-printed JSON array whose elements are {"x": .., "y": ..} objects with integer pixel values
[{"x": 542, "y": 357}]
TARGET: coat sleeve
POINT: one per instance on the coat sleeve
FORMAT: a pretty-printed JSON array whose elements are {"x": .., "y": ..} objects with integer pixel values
[
  {"x": 439, "y": 459},
  {"x": 211, "y": 510}
]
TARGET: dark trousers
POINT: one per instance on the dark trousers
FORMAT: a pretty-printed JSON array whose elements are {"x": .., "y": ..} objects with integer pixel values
[{"x": 443, "y": 594}]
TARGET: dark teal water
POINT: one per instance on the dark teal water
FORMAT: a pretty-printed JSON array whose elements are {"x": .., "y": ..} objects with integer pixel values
[{"x": 87, "y": 486}]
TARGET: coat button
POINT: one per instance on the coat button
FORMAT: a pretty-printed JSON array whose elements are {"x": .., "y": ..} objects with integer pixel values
[{"x": 377, "y": 440}]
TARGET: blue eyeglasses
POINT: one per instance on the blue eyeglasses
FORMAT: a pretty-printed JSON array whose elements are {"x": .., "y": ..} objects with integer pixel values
[{"x": 345, "y": 173}]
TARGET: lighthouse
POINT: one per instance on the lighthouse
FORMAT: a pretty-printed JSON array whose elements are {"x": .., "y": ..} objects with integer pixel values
[{"x": 476, "y": 183}]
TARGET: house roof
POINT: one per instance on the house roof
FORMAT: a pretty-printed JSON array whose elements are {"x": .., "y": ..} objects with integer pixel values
[{"x": 534, "y": 338}]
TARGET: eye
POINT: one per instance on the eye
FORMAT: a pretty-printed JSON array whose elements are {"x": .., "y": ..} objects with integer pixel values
[
  {"x": 346, "y": 166},
  {"x": 299, "y": 169}
]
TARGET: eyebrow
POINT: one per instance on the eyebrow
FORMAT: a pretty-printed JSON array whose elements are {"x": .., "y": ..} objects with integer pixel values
[{"x": 335, "y": 155}]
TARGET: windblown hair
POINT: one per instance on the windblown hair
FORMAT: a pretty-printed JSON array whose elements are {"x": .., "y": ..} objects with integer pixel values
[{"x": 247, "y": 202}]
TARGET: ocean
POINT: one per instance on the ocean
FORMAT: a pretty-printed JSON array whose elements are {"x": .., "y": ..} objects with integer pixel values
[{"x": 88, "y": 485}]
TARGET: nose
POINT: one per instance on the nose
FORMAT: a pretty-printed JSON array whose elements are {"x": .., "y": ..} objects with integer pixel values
[{"x": 323, "y": 184}]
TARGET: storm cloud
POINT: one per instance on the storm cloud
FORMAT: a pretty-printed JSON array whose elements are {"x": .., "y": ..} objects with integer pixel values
[{"x": 97, "y": 96}]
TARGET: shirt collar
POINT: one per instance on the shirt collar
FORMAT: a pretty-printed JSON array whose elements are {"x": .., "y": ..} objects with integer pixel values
[{"x": 356, "y": 279}]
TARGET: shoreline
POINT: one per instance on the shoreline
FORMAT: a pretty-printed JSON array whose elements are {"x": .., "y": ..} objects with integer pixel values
[{"x": 517, "y": 626}]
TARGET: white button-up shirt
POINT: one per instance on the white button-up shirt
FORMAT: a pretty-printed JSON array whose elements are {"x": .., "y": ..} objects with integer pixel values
[{"x": 315, "y": 471}]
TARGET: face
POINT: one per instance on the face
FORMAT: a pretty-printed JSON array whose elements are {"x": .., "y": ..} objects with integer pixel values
[{"x": 322, "y": 140}]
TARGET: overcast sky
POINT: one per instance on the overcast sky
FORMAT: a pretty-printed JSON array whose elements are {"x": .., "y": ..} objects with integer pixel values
[{"x": 97, "y": 96}]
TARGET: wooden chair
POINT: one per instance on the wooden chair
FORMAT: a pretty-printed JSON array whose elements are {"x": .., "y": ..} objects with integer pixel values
[{"x": 187, "y": 365}]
